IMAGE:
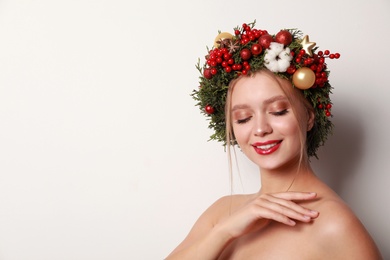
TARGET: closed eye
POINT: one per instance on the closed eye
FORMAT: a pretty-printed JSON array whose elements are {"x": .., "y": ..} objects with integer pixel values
[
  {"x": 280, "y": 113},
  {"x": 243, "y": 121}
]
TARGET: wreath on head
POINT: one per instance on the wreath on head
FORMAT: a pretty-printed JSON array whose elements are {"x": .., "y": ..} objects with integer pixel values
[{"x": 287, "y": 54}]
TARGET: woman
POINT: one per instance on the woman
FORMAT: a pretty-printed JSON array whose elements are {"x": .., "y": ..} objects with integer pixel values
[{"x": 276, "y": 108}]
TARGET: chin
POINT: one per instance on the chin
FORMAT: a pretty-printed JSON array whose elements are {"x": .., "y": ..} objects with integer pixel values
[{"x": 275, "y": 162}]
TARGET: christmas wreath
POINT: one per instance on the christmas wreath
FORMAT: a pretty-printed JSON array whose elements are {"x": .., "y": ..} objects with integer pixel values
[{"x": 287, "y": 54}]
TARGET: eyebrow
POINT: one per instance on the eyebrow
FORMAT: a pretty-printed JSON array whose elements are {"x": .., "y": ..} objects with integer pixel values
[
  {"x": 266, "y": 102},
  {"x": 273, "y": 99}
]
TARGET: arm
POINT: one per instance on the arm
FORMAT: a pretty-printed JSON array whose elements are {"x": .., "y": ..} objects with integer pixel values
[{"x": 213, "y": 232}]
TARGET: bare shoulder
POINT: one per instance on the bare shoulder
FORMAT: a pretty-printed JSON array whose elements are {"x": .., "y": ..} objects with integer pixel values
[
  {"x": 220, "y": 209},
  {"x": 341, "y": 233},
  {"x": 224, "y": 206}
]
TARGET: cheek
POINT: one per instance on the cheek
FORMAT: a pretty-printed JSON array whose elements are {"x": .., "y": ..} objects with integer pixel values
[
  {"x": 287, "y": 127},
  {"x": 242, "y": 132}
]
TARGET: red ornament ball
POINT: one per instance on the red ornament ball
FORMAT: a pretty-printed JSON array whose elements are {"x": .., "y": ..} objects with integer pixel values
[
  {"x": 284, "y": 37},
  {"x": 256, "y": 49},
  {"x": 209, "y": 109},
  {"x": 245, "y": 54},
  {"x": 207, "y": 73},
  {"x": 265, "y": 40}
]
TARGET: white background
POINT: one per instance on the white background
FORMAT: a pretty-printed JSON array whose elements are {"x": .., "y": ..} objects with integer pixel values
[{"x": 103, "y": 154}]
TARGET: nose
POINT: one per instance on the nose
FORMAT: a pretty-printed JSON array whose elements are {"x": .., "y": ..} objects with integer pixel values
[{"x": 262, "y": 127}]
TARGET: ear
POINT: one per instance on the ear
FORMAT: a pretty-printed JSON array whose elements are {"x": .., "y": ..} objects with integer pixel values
[{"x": 310, "y": 121}]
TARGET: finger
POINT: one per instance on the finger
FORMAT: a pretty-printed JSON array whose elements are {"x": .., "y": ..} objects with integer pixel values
[
  {"x": 291, "y": 205},
  {"x": 267, "y": 213},
  {"x": 291, "y": 211},
  {"x": 286, "y": 197},
  {"x": 296, "y": 196}
]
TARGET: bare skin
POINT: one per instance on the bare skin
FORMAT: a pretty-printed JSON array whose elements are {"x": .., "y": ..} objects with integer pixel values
[
  {"x": 294, "y": 215},
  {"x": 225, "y": 230}
]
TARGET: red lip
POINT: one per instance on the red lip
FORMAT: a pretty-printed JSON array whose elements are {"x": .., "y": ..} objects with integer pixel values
[{"x": 269, "y": 150}]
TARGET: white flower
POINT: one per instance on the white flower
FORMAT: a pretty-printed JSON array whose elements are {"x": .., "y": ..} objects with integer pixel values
[{"x": 276, "y": 58}]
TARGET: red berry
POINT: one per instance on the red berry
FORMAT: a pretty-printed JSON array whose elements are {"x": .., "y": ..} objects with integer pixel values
[
  {"x": 209, "y": 109},
  {"x": 284, "y": 37},
  {"x": 245, "y": 54},
  {"x": 265, "y": 40},
  {"x": 291, "y": 70},
  {"x": 207, "y": 74},
  {"x": 256, "y": 49}
]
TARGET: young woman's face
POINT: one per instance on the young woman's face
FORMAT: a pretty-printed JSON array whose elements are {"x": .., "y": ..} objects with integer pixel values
[{"x": 263, "y": 122}]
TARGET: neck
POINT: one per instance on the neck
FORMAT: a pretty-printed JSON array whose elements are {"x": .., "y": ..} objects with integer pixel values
[{"x": 285, "y": 179}]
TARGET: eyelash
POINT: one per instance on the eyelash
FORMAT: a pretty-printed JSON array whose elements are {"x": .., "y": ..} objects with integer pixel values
[
  {"x": 243, "y": 121},
  {"x": 278, "y": 113}
]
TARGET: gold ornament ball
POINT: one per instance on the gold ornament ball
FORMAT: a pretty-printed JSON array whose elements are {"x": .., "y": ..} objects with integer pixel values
[
  {"x": 304, "y": 78},
  {"x": 222, "y": 36}
]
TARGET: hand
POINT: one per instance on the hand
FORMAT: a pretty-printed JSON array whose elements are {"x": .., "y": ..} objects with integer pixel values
[{"x": 280, "y": 207}]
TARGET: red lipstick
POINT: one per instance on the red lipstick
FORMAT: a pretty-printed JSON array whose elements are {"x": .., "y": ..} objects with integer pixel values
[{"x": 265, "y": 148}]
